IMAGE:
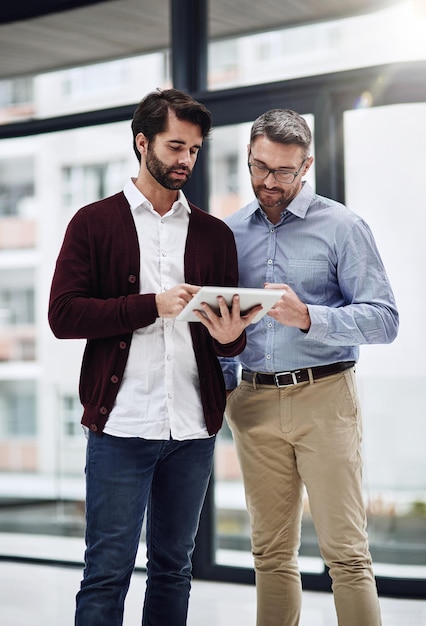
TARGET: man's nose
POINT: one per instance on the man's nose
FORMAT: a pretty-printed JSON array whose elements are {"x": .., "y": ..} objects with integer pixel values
[
  {"x": 185, "y": 157},
  {"x": 270, "y": 176}
]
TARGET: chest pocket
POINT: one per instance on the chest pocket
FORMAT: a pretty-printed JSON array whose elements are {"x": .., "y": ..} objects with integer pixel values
[{"x": 309, "y": 279}]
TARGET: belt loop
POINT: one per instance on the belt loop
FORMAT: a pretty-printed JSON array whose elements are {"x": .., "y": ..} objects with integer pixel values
[
  {"x": 254, "y": 381},
  {"x": 311, "y": 378}
]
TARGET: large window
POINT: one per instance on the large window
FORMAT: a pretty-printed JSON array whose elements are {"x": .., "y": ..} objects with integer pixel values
[
  {"x": 391, "y": 35},
  {"x": 384, "y": 180}
]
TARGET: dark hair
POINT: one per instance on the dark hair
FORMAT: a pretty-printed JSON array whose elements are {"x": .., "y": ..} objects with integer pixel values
[
  {"x": 283, "y": 126},
  {"x": 151, "y": 114}
]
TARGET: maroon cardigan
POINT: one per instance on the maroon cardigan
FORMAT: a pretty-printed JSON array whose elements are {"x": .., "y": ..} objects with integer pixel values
[{"x": 95, "y": 296}]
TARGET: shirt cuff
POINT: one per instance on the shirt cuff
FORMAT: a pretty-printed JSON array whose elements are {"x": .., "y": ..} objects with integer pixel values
[
  {"x": 231, "y": 372},
  {"x": 319, "y": 322}
]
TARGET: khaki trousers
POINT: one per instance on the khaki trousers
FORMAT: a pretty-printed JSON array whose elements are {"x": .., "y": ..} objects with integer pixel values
[{"x": 308, "y": 434}]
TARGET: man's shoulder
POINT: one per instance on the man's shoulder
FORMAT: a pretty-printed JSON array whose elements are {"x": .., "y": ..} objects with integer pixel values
[
  {"x": 116, "y": 200},
  {"x": 241, "y": 215},
  {"x": 112, "y": 206},
  {"x": 101, "y": 216}
]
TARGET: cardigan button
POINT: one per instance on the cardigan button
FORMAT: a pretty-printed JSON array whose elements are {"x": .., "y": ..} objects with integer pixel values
[
  {"x": 123, "y": 345},
  {"x": 132, "y": 279},
  {"x": 114, "y": 378},
  {"x": 93, "y": 428},
  {"x": 103, "y": 410}
]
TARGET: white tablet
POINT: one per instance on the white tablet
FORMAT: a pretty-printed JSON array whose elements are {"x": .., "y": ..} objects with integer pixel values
[{"x": 248, "y": 299}]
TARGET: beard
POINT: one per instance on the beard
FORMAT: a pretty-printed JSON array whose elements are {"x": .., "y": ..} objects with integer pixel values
[
  {"x": 275, "y": 197},
  {"x": 163, "y": 174}
]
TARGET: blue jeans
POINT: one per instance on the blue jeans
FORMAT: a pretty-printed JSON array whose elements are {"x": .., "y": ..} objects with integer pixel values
[{"x": 125, "y": 477}]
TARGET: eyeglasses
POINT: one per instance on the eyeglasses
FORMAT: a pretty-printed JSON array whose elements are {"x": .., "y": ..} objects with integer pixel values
[{"x": 281, "y": 176}]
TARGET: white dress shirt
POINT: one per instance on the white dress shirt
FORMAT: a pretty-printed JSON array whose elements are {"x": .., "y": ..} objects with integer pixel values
[{"x": 159, "y": 396}]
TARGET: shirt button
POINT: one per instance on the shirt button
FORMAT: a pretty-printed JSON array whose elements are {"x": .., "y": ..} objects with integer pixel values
[
  {"x": 169, "y": 357},
  {"x": 270, "y": 325},
  {"x": 268, "y": 356},
  {"x": 170, "y": 396},
  {"x": 269, "y": 261}
]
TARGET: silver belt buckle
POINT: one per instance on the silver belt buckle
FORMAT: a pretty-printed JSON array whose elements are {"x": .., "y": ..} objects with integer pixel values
[{"x": 293, "y": 377}]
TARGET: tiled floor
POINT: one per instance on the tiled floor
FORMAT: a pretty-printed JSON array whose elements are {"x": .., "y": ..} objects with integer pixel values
[{"x": 43, "y": 595}]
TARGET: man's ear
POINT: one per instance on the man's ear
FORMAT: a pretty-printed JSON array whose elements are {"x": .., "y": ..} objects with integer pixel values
[
  {"x": 308, "y": 164},
  {"x": 141, "y": 143}
]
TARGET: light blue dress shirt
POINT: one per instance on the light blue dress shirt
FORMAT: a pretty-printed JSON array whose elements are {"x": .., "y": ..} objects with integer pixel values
[{"x": 327, "y": 255}]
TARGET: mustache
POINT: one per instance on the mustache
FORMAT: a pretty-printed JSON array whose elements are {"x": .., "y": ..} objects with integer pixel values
[
  {"x": 265, "y": 188},
  {"x": 180, "y": 169}
]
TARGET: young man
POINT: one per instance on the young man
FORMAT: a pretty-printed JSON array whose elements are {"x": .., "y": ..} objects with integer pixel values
[
  {"x": 295, "y": 416},
  {"x": 151, "y": 387}
]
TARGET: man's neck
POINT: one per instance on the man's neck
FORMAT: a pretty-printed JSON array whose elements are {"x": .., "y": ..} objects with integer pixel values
[{"x": 162, "y": 199}]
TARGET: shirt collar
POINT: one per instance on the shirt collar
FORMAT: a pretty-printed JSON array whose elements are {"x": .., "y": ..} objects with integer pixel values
[
  {"x": 300, "y": 204},
  {"x": 137, "y": 199}
]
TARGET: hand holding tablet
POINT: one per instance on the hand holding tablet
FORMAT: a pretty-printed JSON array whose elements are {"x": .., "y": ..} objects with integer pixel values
[{"x": 248, "y": 299}]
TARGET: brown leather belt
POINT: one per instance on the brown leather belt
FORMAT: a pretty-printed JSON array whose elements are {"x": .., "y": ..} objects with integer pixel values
[{"x": 284, "y": 379}]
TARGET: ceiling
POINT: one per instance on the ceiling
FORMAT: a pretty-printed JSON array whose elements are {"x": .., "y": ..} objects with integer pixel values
[{"x": 55, "y": 34}]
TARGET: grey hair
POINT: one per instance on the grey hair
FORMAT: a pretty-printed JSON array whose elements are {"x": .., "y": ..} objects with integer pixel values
[{"x": 283, "y": 126}]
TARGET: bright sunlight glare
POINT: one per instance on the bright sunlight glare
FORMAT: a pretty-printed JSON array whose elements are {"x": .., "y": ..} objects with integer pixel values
[{"x": 405, "y": 25}]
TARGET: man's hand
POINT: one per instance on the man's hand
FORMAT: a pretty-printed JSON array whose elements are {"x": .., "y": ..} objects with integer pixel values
[
  {"x": 228, "y": 325},
  {"x": 171, "y": 302},
  {"x": 289, "y": 310}
]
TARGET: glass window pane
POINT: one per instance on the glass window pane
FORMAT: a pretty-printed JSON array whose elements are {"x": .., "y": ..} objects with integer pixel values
[
  {"x": 42, "y": 445},
  {"x": 384, "y": 159},
  {"x": 390, "y": 35},
  {"x": 90, "y": 87}
]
